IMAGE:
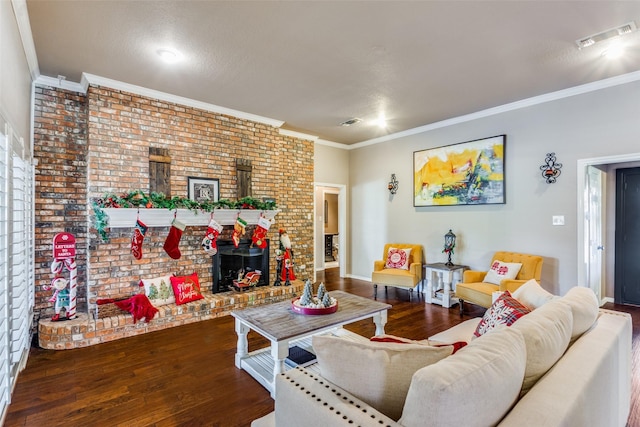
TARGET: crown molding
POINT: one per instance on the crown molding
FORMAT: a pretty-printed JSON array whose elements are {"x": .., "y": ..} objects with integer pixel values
[
  {"x": 298, "y": 135},
  {"x": 90, "y": 79},
  {"x": 60, "y": 84},
  {"x": 333, "y": 144},
  {"x": 24, "y": 28},
  {"x": 524, "y": 103}
]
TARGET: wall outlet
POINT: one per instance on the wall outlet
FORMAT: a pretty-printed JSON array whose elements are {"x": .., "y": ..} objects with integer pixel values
[{"x": 557, "y": 220}]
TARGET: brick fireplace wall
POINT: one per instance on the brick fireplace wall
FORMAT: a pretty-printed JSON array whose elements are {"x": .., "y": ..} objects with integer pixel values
[{"x": 87, "y": 145}]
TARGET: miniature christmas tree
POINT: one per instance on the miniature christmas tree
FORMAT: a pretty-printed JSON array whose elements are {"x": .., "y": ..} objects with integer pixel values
[
  {"x": 326, "y": 300},
  {"x": 321, "y": 291},
  {"x": 307, "y": 294}
]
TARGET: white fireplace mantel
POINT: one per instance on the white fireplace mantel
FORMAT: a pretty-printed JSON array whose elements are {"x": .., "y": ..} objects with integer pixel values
[{"x": 126, "y": 217}]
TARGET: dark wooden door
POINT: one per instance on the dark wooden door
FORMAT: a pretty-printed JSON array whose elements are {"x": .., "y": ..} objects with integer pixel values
[{"x": 627, "y": 264}]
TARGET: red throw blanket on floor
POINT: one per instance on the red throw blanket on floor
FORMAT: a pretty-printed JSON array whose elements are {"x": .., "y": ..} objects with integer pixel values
[{"x": 138, "y": 305}]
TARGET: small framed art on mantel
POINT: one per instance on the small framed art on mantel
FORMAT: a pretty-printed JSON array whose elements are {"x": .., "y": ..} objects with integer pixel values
[{"x": 204, "y": 189}]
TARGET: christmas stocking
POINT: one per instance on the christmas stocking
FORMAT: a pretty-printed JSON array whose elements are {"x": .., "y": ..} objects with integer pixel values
[
  {"x": 173, "y": 239},
  {"x": 136, "y": 241},
  {"x": 209, "y": 241},
  {"x": 259, "y": 237},
  {"x": 238, "y": 231}
]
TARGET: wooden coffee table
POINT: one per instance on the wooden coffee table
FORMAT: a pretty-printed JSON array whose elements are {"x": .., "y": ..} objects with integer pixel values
[{"x": 282, "y": 326}]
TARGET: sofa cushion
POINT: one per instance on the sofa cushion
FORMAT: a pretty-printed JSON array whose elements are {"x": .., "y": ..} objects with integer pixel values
[
  {"x": 475, "y": 387},
  {"x": 546, "y": 332},
  {"x": 504, "y": 311},
  {"x": 584, "y": 307},
  {"x": 502, "y": 270},
  {"x": 378, "y": 373},
  {"x": 532, "y": 295},
  {"x": 398, "y": 258}
]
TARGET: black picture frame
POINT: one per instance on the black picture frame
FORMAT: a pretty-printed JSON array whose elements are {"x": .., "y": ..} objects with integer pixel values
[
  {"x": 467, "y": 173},
  {"x": 203, "y": 189}
]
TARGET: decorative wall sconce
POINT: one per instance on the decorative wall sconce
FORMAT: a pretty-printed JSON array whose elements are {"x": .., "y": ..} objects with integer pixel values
[
  {"x": 551, "y": 169},
  {"x": 449, "y": 244},
  {"x": 393, "y": 184}
]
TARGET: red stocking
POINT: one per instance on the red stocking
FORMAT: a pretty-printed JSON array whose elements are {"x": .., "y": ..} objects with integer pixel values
[
  {"x": 173, "y": 239},
  {"x": 136, "y": 241},
  {"x": 259, "y": 237}
]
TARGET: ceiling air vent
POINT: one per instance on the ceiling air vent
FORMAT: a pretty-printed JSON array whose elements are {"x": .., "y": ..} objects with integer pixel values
[
  {"x": 627, "y": 28},
  {"x": 351, "y": 121}
]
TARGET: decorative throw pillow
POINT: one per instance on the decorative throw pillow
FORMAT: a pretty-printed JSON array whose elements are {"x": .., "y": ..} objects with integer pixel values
[
  {"x": 186, "y": 288},
  {"x": 505, "y": 311},
  {"x": 159, "y": 290},
  {"x": 502, "y": 270},
  {"x": 377, "y": 373},
  {"x": 398, "y": 258},
  {"x": 532, "y": 295}
]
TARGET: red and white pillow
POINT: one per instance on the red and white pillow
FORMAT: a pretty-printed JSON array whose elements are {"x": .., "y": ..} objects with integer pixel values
[
  {"x": 186, "y": 288},
  {"x": 504, "y": 311},
  {"x": 398, "y": 258},
  {"x": 502, "y": 270}
]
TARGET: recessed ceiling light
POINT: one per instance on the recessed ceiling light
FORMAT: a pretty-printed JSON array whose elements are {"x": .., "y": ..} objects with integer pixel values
[
  {"x": 168, "y": 55},
  {"x": 380, "y": 122},
  {"x": 627, "y": 28}
]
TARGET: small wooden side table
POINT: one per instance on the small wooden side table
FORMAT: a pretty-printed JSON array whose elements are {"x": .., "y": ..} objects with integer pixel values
[{"x": 441, "y": 291}]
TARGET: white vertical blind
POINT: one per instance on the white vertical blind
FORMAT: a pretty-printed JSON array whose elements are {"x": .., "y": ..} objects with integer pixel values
[
  {"x": 16, "y": 259},
  {"x": 4, "y": 272}
]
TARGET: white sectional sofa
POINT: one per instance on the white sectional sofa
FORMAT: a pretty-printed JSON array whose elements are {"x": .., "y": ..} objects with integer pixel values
[{"x": 587, "y": 383}]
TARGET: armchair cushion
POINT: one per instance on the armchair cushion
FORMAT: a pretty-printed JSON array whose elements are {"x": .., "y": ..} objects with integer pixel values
[
  {"x": 502, "y": 270},
  {"x": 398, "y": 258}
]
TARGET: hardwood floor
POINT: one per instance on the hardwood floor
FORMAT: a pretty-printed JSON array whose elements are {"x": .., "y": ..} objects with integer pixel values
[{"x": 186, "y": 376}]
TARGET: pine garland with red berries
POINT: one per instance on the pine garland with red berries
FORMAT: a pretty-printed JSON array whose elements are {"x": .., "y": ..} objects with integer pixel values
[{"x": 139, "y": 199}]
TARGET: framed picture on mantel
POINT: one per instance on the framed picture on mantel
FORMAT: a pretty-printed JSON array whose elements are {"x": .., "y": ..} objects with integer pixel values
[
  {"x": 468, "y": 173},
  {"x": 204, "y": 189}
]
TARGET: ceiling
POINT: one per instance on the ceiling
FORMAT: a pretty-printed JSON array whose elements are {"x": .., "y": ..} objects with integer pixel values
[{"x": 315, "y": 64}]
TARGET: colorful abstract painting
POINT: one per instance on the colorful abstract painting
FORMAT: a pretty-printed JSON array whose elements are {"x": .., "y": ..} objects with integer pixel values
[{"x": 469, "y": 173}]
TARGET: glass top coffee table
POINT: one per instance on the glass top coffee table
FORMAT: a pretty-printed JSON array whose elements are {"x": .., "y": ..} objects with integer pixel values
[{"x": 282, "y": 326}]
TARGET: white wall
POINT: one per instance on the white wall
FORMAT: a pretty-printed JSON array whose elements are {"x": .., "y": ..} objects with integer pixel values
[
  {"x": 600, "y": 123},
  {"x": 15, "y": 78}
]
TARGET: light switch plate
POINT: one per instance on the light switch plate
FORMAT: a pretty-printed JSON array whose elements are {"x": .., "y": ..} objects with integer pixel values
[{"x": 558, "y": 220}]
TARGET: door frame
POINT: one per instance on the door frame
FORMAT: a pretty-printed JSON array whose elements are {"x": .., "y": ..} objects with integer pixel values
[
  {"x": 582, "y": 240},
  {"x": 318, "y": 233}
]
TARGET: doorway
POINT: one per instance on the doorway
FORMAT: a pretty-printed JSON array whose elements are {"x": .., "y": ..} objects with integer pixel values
[
  {"x": 627, "y": 267},
  {"x": 594, "y": 231},
  {"x": 330, "y": 227}
]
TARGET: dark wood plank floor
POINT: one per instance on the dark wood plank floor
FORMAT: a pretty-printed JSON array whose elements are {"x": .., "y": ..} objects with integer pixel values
[{"x": 186, "y": 376}]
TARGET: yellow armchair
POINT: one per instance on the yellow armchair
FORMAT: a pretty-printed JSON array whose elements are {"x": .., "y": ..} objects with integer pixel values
[
  {"x": 399, "y": 278},
  {"x": 472, "y": 288}
]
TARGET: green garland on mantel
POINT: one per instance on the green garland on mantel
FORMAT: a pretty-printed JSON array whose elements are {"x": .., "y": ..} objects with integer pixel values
[{"x": 139, "y": 199}]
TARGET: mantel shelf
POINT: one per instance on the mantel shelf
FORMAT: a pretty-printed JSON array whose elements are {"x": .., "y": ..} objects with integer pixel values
[{"x": 126, "y": 217}]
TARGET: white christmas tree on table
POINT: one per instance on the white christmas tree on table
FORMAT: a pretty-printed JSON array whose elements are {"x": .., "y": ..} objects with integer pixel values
[
  {"x": 307, "y": 294},
  {"x": 322, "y": 300}
]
